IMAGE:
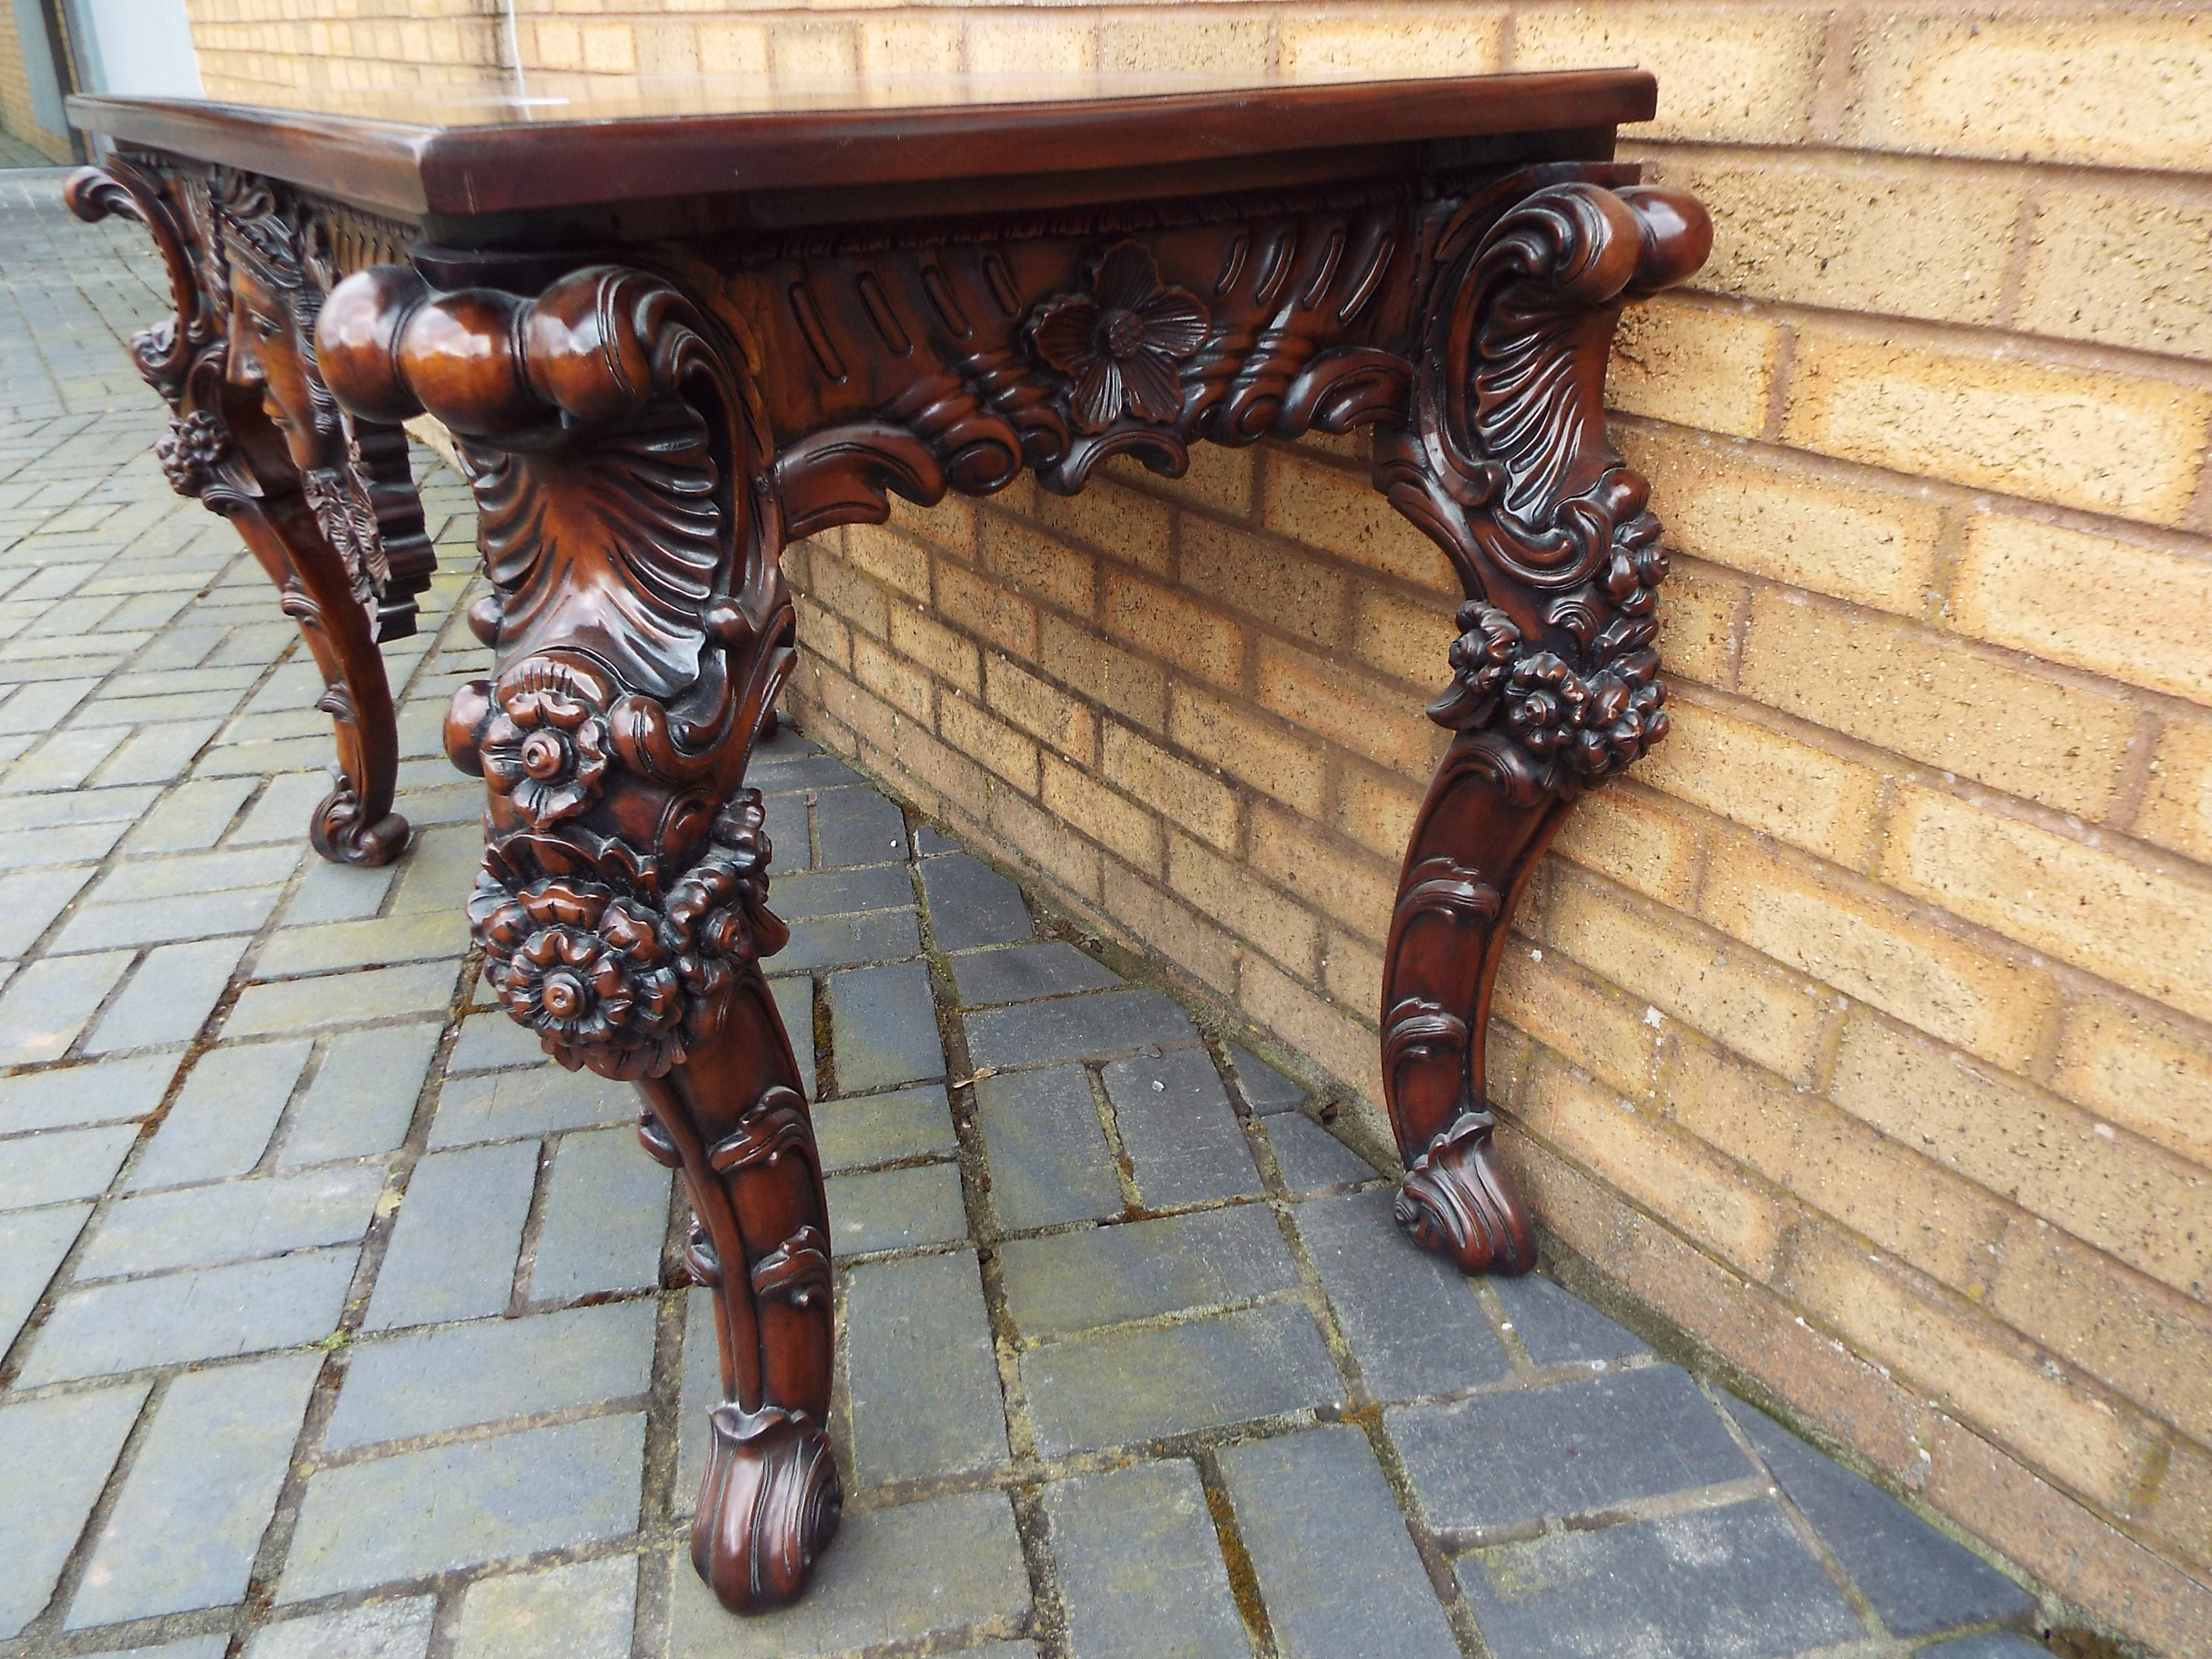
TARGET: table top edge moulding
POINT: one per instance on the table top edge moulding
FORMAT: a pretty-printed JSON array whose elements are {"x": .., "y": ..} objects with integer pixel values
[
  {"x": 493, "y": 166},
  {"x": 652, "y": 400}
]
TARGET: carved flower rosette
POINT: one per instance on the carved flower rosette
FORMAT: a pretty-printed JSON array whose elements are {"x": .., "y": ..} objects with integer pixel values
[
  {"x": 1120, "y": 344},
  {"x": 546, "y": 748}
]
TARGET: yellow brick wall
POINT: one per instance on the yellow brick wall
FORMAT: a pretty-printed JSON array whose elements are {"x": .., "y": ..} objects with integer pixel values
[
  {"x": 1866, "y": 1032},
  {"x": 17, "y": 120}
]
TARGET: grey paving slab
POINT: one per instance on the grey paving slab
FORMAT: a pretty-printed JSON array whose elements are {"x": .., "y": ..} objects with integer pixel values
[
  {"x": 331, "y": 892},
  {"x": 884, "y": 1026},
  {"x": 1049, "y": 1156},
  {"x": 1140, "y": 1382},
  {"x": 184, "y": 1530},
  {"x": 1559, "y": 1328},
  {"x": 62, "y": 1165},
  {"x": 541, "y": 1100},
  {"x": 1338, "y": 1572},
  {"x": 1077, "y": 1281},
  {"x": 66, "y": 1097},
  {"x": 787, "y": 837},
  {"x": 32, "y": 1245},
  {"x": 380, "y": 1630},
  {"x": 1503, "y": 1459},
  {"x": 490, "y": 1370},
  {"x": 971, "y": 904},
  {"x": 191, "y": 873},
  {"x": 924, "y": 1375},
  {"x": 840, "y": 892},
  {"x": 75, "y": 843},
  {"x": 328, "y": 946},
  {"x": 1919, "y": 1580},
  {"x": 49, "y": 1002},
  {"x": 363, "y": 1096},
  {"x": 198, "y": 1647},
  {"x": 846, "y": 941},
  {"x": 293, "y": 1005},
  {"x": 1412, "y": 1321},
  {"x": 1730, "y": 1584},
  {"x": 209, "y": 1313},
  {"x": 895, "y": 1574},
  {"x": 416, "y": 1513},
  {"x": 884, "y": 1128},
  {"x": 490, "y": 1041},
  {"x": 581, "y": 1611},
  {"x": 698, "y": 1388},
  {"x": 1140, "y": 1569},
  {"x": 178, "y": 916},
  {"x": 606, "y": 1215},
  {"x": 1094, "y": 1026},
  {"x": 169, "y": 998},
  {"x": 895, "y": 1209},
  {"x": 1991, "y": 1644},
  {"x": 816, "y": 771},
  {"x": 198, "y": 1226},
  {"x": 858, "y": 826},
  {"x": 31, "y": 899},
  {"x": 453, "y": 1252},
  {"x": 1183, "y": 1139},
  {"x": 1266, "y": 1090},
  {"x": 1021, "y": 973},
  {"x": 794, "y": 1006},
  {"x": 55, "y": 1456},
  {"x": 1310, "y": 1157},
  {"x": 220, "y": 1121}
]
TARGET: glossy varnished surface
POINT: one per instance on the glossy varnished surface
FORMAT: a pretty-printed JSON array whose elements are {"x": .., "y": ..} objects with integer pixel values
[{"x": 495, "y": 154}]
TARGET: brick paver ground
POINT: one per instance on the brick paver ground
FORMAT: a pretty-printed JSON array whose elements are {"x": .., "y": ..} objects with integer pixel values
[{"x": 339, "y": 1324}]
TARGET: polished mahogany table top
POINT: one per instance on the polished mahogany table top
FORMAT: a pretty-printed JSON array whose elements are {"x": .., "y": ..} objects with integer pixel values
[{"x": 450, "y": 152}]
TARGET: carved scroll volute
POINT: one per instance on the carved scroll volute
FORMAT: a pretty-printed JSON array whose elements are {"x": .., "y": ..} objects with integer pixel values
[
  {"x": 1555, "y": 686},
  {"x": 630, "y": 529}
]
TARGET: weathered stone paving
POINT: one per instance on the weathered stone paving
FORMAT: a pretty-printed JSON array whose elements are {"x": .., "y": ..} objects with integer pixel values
[{"x": 338, "y": 1324}]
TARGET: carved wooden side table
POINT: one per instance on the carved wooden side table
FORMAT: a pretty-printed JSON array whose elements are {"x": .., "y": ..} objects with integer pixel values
[{"x": 667, "y": 343}]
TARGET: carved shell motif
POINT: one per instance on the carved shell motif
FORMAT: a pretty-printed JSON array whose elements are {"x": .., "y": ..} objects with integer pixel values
[{"x": 1120, "y": 344}]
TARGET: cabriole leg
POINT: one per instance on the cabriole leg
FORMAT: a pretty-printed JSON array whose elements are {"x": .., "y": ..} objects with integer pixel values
[
  {"x": 642, "y": 627},
  {"x": 1555, "y": 681}
]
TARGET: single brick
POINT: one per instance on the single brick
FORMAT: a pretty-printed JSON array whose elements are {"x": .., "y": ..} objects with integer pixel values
[
  {"x": 330, "y": 946},
  {"x": 1049, "y": 1156},
  {"x": 63, "y": 1164},
  {"x": 1730, "y": 1584},
  {"x": 1140, "y": 1569},
  {"x": 210, "y": 1312},
  {"x": 545, "y": 1099},
  {"x": 223, "y": 1116},
  {"x": 896, "y": 1209},
  {"x": 67, "y": 1096},
  {"x": 490, "y": 1041},
  {"x": 453, "y": 1252},
  {"x": 489, "y": 1371},
  {"x": 845, "y": 941},
  {"x": 1309, "y": 1157},
  {"x": 32, "y": 1245},
  {"x": 1412, "y": 1321},
  {"x": 343, "y": 999},
  {"x": 418, "y": 1513},
  {"x": 96, "y": 927},
  {"x": 883, "y": 1021},
  {"x": 30, "y": 901},
  {"x": 1143, "y": 1382},
  {"x": 924, "y": 1377},
  {"x": 583, "y": 1612},
  {"x": 1559, "y": 1328},
  {"x": 1994, "y": 1644},
  {"x": 1072, "y": 1282},
  {"x": 1023, "y": 973},
  {"x": 859, "y": 826},
  {"x": 1504, "y": 1459},
  {"x": 335, "y": 892},
  {"x": 971, "y": 904},
  {"x": 1340, "y": 1576},
  {"x": 1919, "y": 1580},
  {"x": 605, "y": 1216},
  {"x": 169, "y": 998},
  {"x": 48, "y": 1003},
  {"x": 55, "y": 1454},
  {"x": 363, "y": 1096},
  {"x": 788, "y": 836},
  {"x": 1183, "y": 1139},
  {"x": 699, "y": 1387},
  {"x": 1266, "y": 1091},
  {"x": 197, "y": 1226},
  {"x": 199, "y": 1494},
  {"x": 884, "y": 1128},
  {"x": 380, "y": 1630},
  {"x": 815, "y": 771},
  {"x": 1076, "y": 1028},
  {"x": 841, "y": 892},
  {"x": 895, "y": 1574}
]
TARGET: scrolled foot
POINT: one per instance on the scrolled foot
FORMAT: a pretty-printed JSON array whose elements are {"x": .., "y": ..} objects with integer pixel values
[
  {"x": 1458, "y": 1201},
  {"x": 769, "y": 1505},
  {"x": 336, "y": 832}
]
